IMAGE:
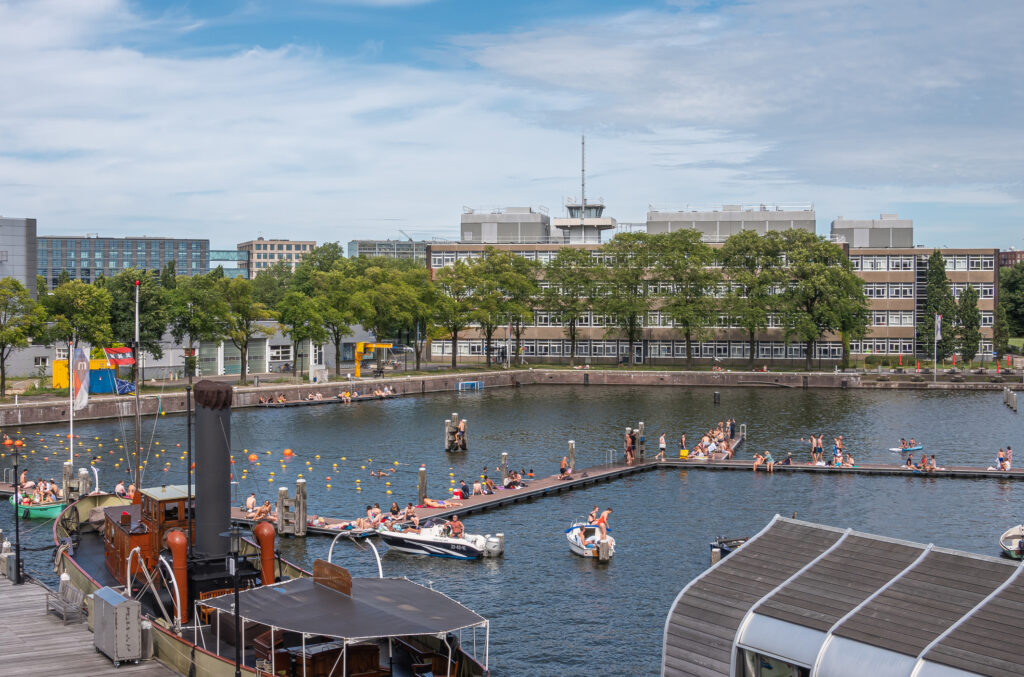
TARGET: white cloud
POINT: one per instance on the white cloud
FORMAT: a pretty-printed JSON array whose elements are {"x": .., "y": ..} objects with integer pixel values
[{"x": 852, "y": 108}]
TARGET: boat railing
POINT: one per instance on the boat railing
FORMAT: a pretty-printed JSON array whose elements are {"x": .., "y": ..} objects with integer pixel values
[
  {"x": 8, "y": 475},
  {"x": 177, "y": 594},
  {"x": 137, "y": 552}
]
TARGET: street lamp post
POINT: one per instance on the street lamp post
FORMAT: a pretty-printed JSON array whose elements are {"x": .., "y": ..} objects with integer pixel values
[{"x": 234, "y": 535}]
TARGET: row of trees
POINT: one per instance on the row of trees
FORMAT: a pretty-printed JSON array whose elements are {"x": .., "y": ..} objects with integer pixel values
[{"x": 792, "y": 279}]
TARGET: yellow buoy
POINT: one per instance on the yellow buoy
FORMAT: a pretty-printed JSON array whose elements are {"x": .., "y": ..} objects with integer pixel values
[
  {"x": 270, "y": 479},
  {"x": 343, "y": 458},
  {"x": 389, "y": 491},
  {"x": 328, "y": 486},
  {"x": 358, "y": 481},
  {"x": 387, "y": 484}
]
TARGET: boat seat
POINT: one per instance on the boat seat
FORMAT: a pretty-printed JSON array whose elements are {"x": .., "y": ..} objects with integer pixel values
[{"x": 67, "y": 601}]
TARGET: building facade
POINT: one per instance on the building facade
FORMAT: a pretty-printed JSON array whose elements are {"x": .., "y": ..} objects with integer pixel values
[
  {"x": 265, "y": 253},
  {"x": 87, "y": 257},
  {"x": 18, "y": 251},
  {"x": 391, "y": 249},
  {"x": 1011, "y": 258},
  {"x": 894, "y": 276}
]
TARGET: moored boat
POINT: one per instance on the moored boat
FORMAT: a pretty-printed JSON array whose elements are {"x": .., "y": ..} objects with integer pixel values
[
  {"x": 585, "y": 541},
  {"x": 38, "y": 510},
  {"x": 175, "y": 551},
  {"x": 436, "y": 540},
  {"x": 1012, "y": 542},
  {"x": 916, "y": 447}
]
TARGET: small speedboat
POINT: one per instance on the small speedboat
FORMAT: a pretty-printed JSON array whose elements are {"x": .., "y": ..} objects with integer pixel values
[
  {"x": 916, "y": 447},
  {"x": 434, "y": 539},
  {"x": 39, "y": 510},
  {"x": 1012, "y": 542},
  {"x": 585, "y": 540}
]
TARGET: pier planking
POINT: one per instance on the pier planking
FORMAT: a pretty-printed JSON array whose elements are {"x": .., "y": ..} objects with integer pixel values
[{"x": 36, "y": 643}]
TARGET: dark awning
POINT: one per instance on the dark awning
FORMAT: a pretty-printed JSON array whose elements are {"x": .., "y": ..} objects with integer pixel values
[{"x": 378, "y": 607}]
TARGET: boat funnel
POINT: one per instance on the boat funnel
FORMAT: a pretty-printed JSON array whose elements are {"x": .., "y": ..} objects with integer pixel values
[{"x": 213, "y": 468}]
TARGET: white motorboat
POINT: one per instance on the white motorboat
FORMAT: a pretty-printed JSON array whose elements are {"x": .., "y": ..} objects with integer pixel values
[
  {"x": 436, "y": 540},
  {"x": 1012, "y": 542},
  {"x": 585, "y": 540}
]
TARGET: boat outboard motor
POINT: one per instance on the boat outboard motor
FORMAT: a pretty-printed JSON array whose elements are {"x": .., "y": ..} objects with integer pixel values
[
  {"x": 494, "y": 546},
  {"x": 213, "y": 469}
]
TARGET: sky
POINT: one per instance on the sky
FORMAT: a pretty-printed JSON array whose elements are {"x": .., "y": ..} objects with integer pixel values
[{"x": 336, "y": 120}]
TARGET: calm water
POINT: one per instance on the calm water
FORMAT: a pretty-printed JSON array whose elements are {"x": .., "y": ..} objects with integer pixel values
[{"x": 552, "y": 612}]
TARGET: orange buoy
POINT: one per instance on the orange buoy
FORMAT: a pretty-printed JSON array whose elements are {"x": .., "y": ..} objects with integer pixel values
[
  {"x": 289, "y": 452},
  {"x": 19, "y": 443},
  {"x": 253, "y": 458}
]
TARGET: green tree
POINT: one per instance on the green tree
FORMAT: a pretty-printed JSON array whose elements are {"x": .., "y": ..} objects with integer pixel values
[
  {"x": 196, "y": 312},
  {"x": 519, "y": 284},
  {"x": 752, "y": 264},
  {"x": 453, "y": 310},
  {"x": 169, "y": 275},
  {"x": 380, "y": 296},
  {"x": 300, "y": 319},
  {"x": 968, "y": 325},
  {"x": 1000, "y": 332},
  {"x": 152, "y": 308},
  {"x": 1011, "y": 297},
  {"x": 821, "y": 284},
  {"x": 243, "y": 318},
  {"x": 325, "y": 258},
  {"x": 63, "y": 278},
  {"x": 423, "y": 298},
  {"x": 623, "y": 294},
  {"x": 571, "y": 289},
  {"x": 332, "y": 291},
  {"x": 938, "y": 301},
  {"x": 270, "y": 286},
  {"x": 77, "y": 312},
  {"x": 488, "y": 301},
  {"x": 21, "y": 318},
  {"x": 685, "y": 261}
]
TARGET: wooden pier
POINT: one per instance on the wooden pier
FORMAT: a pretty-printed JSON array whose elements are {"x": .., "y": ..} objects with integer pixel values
[
  {"x": 36, "y": 643},
  {"x": 949, "y": 471}
]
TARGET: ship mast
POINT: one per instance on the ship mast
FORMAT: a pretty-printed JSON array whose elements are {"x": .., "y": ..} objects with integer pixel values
[{"x": 136, "y": 451}]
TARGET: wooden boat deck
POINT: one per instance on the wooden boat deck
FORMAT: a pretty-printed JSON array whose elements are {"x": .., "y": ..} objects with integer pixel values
[
  {"x": 35, "y": 643},
  {"x": 949, "y": 471}
]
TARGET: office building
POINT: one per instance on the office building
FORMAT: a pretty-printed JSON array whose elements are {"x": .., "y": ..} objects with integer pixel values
[
  {"x": 1011, "y": 258},
  {"x": 392, "y": 249},
  {"x": 508, "y": 225},
  {"x": 889, "y": 230},
  {"x": 583, "y": 223},
  {"x": 87, "y": 257},
  {"x": 233, "y": 262},
  {"x": 18, "y": 251},
  {"x": 715, "y": 225},
  {"x": 265, "y": 253}
]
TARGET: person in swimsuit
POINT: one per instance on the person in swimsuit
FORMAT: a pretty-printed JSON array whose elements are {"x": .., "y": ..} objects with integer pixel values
[
  {"x": 410, "y": 515},
  {"x": 457, "y": 527},
  {"x": 563, "y": 467},
  {"x": 661, "y": 448},
  {"x": 592, "y": 517},
  {"x": 758, "y": 460},
  {"x": 431, "y": 503},
  {"x": 602, "y": 523}
]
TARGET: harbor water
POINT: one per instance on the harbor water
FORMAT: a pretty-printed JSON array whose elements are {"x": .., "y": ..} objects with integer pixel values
[{"x": 553, "y": 613}]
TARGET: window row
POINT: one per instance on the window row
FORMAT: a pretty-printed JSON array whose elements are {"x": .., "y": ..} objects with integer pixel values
[
  {"x": 892, "y": 290},
  {"x": 986, "y": 290},
  {"x": 648, "y": 349},
  {"x": 882, "y": 262},
  {"x": 892, "y": 318}
]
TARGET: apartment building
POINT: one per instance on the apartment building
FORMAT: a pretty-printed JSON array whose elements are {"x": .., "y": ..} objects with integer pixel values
[
  {"x": 87, "y": 257},
  {"x": 18, "y": 251},
  {"x": 263, "y": 253}
]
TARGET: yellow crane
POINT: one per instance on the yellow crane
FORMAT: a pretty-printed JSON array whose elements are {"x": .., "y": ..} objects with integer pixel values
[{"x": 361, "y": 348}]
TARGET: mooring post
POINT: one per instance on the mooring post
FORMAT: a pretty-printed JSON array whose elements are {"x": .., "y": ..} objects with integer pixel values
[
  {"x": 504, "y": 465},
  {"x": 572, "y": 454},
  {"x": 282, "y": 511},
  {"x": 455, "y": 434},
  {"x": 718, "y": 397},
  {"x": 300, "y": 507},
  {"x": 421, "y": 485},
  {"x": 66, "y": 478}
]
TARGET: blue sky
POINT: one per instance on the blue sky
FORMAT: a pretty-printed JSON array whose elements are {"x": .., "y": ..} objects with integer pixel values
[{"x": 341, "y": 119}]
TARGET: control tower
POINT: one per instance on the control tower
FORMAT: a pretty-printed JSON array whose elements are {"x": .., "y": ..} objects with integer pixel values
[{"x": 583, "y": 224}]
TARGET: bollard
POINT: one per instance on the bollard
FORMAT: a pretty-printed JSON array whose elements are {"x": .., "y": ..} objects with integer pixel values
[
  {"x": 283, "y": 526},
  {"x": 67, "y": 477},
  {"x": 504, "y": 466},
  {"x": 718, "y": 397},
  {"x": 300, "y": 508},
  {"x": 455, "y": 438},
  {"x": 641, "y": 445},
  {"x": 421, "y": 485},
  {"x": 572, "y": 454}
]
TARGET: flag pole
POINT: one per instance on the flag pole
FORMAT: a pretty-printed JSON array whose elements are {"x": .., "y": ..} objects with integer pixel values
[
  {"x": 935, "y": 351},
  {"x": 71, "y": 405}
]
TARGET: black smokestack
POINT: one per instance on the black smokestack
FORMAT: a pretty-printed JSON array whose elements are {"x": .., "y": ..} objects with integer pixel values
[{"x": 213, "y": 468}]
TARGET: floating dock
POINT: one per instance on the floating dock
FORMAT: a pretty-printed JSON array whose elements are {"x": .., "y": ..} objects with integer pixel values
[
  {"x": 949, "y": 471},
  {"x": 36, "y": 643}
]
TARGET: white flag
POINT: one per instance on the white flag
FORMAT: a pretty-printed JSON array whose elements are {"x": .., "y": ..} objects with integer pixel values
[
  {"x": 80, "y": 376},
  {"x": 938, "y": 328}
]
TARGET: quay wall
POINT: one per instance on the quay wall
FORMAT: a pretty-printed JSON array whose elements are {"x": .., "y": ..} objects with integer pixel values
[{"x": 106, "y": 407}]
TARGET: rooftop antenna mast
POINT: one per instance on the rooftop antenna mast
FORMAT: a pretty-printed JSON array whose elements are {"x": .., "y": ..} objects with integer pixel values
[{"x": 583, "y": 184}]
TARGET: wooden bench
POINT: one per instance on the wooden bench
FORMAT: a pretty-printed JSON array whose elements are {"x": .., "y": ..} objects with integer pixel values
[{"x": 68, "y": 601}]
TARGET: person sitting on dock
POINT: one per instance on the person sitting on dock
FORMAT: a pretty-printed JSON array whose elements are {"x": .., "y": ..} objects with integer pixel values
[
  {"x": 1009, "y": 457},
  {"x": 411, "y": 516},
  {"x": 847, "y": 460},
  {"x": 931, "y": 463},
  {"x": 119, "y": 489},
  {"x": 264, "y": 399},
  {"x": 489, "y": 485},
  {"x": 769, "y": 462},
  {"x": 788, "y": 460},
  {"x": 478, "y": 489},
  {"x": 758, "y": 460},
  {"x": 265, "y": 512},
  {"x": 432, "y": 503},
  {"x": 281, "y": 398},
  {"x": 910, "y": 463},
  {"x": 464, "y": 488},
  {"x": 250, "y": 505}
]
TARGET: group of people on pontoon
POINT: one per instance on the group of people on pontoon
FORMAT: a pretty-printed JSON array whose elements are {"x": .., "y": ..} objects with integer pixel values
[
  {"x": 904, "y": 444},
  {"x": 277, "y": 398},
  {"x": 256, "y": 511},
  {"x": 39, "y": 492},
  {"x": 1004, "y": 460},
  {"x": 839, "y": 457},
  {"x": 715, "y": 444},
  {"x": 314, "y": 396},
  {"x": 926, "y": 463}
]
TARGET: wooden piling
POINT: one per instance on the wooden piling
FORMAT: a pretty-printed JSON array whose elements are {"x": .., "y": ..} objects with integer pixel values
[
  {"x": 504, "y": 466},
  {"x": 455, "y": 434},
  {"x": 572, "y": 454},
  {"x": 291, "y": 512},
  {"x": 421, "y": 485}
]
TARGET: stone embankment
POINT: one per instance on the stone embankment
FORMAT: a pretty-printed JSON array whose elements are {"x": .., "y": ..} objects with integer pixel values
[{"x": 173, "y": 401}]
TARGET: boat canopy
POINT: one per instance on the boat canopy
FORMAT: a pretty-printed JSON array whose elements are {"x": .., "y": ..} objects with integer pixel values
[{"x": 377, "y": 608}]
